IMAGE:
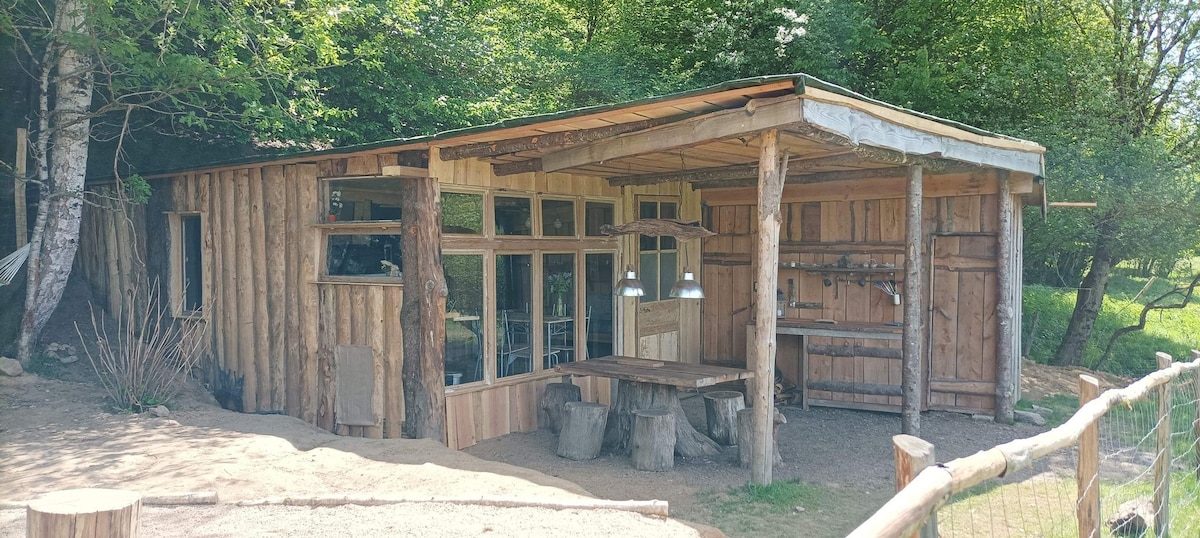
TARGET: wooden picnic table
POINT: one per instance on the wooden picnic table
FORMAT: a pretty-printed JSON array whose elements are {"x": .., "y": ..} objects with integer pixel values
[{"x": 645, "y": 383}]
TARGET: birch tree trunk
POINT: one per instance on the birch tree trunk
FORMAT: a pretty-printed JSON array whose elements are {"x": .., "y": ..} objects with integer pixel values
[{"x": 56, "y": 232}]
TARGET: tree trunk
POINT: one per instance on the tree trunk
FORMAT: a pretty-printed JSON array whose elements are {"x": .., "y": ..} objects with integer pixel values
[
  {"x": 1088, "y": 302},
  {"x": 653, "y": 444},
  {"x": 582, "y": 430},
  {"x": 423, "y": 314},
  {"x": 633, "y": 396},
  {"x": 60, "y": 208},
  {"x": 552, "y": 410}
]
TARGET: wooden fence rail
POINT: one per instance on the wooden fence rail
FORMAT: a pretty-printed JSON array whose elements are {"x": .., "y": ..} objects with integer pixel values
[{"x": 912, "y": 506}]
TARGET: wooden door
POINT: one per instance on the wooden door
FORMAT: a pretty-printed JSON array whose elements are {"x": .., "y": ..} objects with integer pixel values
[{"x": 962, "y": 369}]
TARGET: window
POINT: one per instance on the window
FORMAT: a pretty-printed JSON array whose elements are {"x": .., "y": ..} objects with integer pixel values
[
  {"x": 191, "y": 280},
  {"x": 514, "y": 327},
  {"x": 558, "y": 218},
  {"x": 599, "y": 300},
  {"x": 514, "y": 216},
  {"x": 658, "y": 257},
  {"x": 464, "y": 317},
  {"x": 462, "y": 213},
  {"x": 598, "y": 214},
  {"x": 364, "y": 199},
  {"x": 375, "y": 255}
]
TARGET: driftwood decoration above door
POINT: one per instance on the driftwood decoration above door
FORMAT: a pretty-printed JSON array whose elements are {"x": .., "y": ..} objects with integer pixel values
[{"x": 659, "y": 227}]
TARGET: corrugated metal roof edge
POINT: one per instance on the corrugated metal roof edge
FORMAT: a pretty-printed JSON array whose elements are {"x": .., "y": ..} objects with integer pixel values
[{"x": 799, "y": 80}]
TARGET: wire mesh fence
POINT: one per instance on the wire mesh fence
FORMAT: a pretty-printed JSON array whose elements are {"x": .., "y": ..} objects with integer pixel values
[{"x": 1125, "y": 465}]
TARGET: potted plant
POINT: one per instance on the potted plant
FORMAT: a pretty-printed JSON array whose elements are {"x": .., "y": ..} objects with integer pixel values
[{"x": 560, "y": 284}]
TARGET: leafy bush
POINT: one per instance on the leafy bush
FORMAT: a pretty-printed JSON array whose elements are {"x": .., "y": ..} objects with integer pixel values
[{"x": 143, "y": 360}]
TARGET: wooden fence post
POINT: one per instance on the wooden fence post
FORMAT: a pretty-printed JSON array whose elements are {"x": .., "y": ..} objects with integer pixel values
[
  {"x": 1162, "y": 457},
  {"x": 1087, "y": 467},
  {"x": 20, "y": 215},
  {"x": 913, "y": 455}
]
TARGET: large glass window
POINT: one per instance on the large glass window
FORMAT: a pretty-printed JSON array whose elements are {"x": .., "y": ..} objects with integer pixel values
[
  {"x": 558, "y": 308},
  {"x": 598, "y": 304},
  {"x": 363, "y": 255},
  {"x": 558, "y": 218},
  {"x": 658, "y": 257},
  {"x": 514, "y": 334},
  {"x": 462, "y": 213},
  {"x": 364, "y": 199},
  {"x": 514, "y": 216},
  {"x": 464, "y": 315}
]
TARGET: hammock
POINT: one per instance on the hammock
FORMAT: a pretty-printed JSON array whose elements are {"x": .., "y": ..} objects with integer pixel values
[{"x": 11, "y": 264}]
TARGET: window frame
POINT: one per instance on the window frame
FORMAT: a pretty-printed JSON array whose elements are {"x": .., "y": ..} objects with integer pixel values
[
  {"x": 658, "y": 199},
  {"x": 176, "y": 252},
  {"x": 326, "y": 193}
]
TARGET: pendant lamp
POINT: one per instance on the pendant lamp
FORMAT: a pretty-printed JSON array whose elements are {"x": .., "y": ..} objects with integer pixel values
[
  {"x": 687, "y": 287},
  {"x": 629, "y": 286}
]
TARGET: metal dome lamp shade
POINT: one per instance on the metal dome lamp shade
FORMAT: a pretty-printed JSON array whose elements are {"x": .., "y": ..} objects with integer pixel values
[
  {"x": 687, "y": 287},
  {"x": 629, "y": 286}
]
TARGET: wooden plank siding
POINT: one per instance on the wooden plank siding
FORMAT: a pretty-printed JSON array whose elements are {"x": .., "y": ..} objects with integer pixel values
[{"x": 862, "y": 229}]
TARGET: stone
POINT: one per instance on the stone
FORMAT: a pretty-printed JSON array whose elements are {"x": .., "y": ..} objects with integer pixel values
[
  {"x": 1132, "y": 518},
  {"x": 983, "y": 418},
  {"x": 10, "y": 367},
  {"x": 160, "y": 411},
  {"x": 1029, "y": 417},
  {"x": 1042, "y": 410},
  {"x": 68, "y": 359}
]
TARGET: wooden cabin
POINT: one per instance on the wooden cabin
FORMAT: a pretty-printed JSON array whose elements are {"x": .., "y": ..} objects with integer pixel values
[{"x": 299, "y": 265}]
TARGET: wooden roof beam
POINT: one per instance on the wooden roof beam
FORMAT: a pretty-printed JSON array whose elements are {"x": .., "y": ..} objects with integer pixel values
[
  {"x": 856, "y": 157},
  {"x": 757, "y": 115},
  {"x": 549, "y": 140},
  {"x": 824, "y": 177}
]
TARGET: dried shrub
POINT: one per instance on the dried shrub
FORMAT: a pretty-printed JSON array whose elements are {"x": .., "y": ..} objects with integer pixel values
[{"x": 144, "y": 359}]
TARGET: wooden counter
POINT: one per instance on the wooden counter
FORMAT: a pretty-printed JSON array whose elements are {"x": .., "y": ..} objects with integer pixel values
[{"x": 841, "y": 329}]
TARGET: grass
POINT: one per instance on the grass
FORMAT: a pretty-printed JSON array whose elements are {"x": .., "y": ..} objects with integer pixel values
[
  {"x": 1172, "y": 331},
  {"x": 786, "y": 508},
  {"x": 1061, "y": 407},
  {"x": 1045, "y": 506}
]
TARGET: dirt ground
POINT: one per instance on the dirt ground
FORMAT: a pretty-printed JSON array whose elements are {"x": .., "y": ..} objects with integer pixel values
[{"x": 56, "y": 434}]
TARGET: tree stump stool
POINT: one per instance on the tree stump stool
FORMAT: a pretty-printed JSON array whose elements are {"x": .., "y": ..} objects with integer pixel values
[
  {"x": 653, "y": 439},
  {"x": 583, "y": 430},
  {"x": 550, "y": 416},
  {"x": 721, "y": 408},
  {"x": 744, "y": 429},
  {"x": 84, "y": 513}
]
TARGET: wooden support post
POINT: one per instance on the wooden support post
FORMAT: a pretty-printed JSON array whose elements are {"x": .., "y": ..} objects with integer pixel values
[
  {"x": 1087, "y": 467},
  {"x": 84, "y": 513},
  {"x": 552, "y": 412},
  {"x": 720, "y": 410},
  {"x": 583, "y": 430},
  {"x": 1196, "y": 415},
  {"x": 745, "y": 430},
  {"x": 19, "y": 188},
  {"x": 653, "y": 440},
  {"x": 423, "y": 316},
  {"x": 913, "y": 455},
  {"x": 1162, "y": 457},
  {"x": 770, "y": 191},
  {"x": 1006, "y": 358},
  {"x": 913, "y": 279}
]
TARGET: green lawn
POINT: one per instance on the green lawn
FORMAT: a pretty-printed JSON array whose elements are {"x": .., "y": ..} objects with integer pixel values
[{"x": 1172, "y": 331}]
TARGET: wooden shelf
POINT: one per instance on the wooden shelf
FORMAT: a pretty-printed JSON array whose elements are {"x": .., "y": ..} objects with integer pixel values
[{"x": 834, "y": 269}]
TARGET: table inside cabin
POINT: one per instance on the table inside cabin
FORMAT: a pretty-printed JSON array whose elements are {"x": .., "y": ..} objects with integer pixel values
[
  {"x": 805, "y": 328},
  {"x": 645, "y": 383}
]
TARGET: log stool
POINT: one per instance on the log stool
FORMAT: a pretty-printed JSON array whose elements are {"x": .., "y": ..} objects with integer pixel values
[
  {"x": 84, "y": 513},
  {"x": 653, "y": 440},
  {"x": 557, "y": 394},
  {"x": 721, "y": 409},
  {"x": 745, "y": 431},
  {"x": 583, "y": 430}
]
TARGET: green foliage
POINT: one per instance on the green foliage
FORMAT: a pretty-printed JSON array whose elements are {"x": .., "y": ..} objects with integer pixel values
[
  {"x": 1171, "y": 331},
  {"x": 786, "y": 508}
]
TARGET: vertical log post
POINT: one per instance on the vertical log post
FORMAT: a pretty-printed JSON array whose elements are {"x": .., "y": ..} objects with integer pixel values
[
  {"x": 1162, "y": 458},
  {"x": 721, "y": 409},
  {"x": 910, "y": 378},
  {"x": 770, "y": 191},
  {"x": 422, "y": 317},
  {"x": 1087, "y": 467},
  {"x": 913, "y": 455},
  {"x": 1006, "y": 303},
  {"x": 1196, "y": 415},
  {"x": 22, "y": 219}
]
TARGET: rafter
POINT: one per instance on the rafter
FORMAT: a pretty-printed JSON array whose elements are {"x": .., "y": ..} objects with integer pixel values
[
  {"x": 549, "y": 140},
  {"x": 516, "y": 167}
]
